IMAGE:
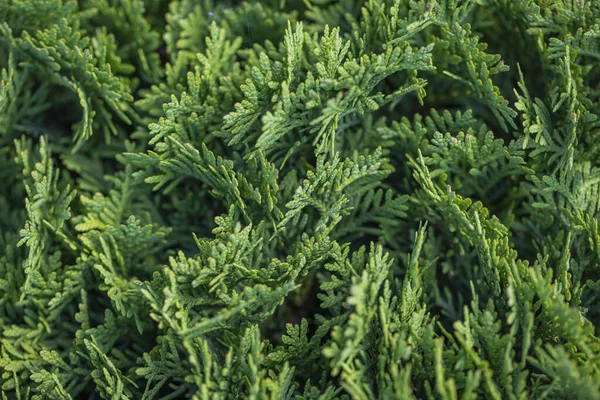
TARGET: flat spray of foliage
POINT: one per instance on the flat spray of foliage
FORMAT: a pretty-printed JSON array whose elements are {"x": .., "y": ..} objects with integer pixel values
[{"x": 299, "y": 199}]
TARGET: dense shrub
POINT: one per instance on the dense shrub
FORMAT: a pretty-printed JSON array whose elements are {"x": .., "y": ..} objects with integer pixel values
[{"x": 310, "y": 199}]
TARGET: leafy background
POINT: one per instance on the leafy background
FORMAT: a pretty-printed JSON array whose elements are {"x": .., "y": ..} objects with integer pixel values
[{"x": 309, "y": 199}]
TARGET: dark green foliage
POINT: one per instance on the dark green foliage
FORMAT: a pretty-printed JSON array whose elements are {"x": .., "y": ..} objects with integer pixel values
[{"x": 299, "y": 199}]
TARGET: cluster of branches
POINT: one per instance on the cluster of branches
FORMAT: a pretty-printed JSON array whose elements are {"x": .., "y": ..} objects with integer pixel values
[{"x": 317, "y": 199}]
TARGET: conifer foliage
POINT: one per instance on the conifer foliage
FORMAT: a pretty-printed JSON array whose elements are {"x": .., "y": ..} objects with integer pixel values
[{"x": 299, "y": 199}]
